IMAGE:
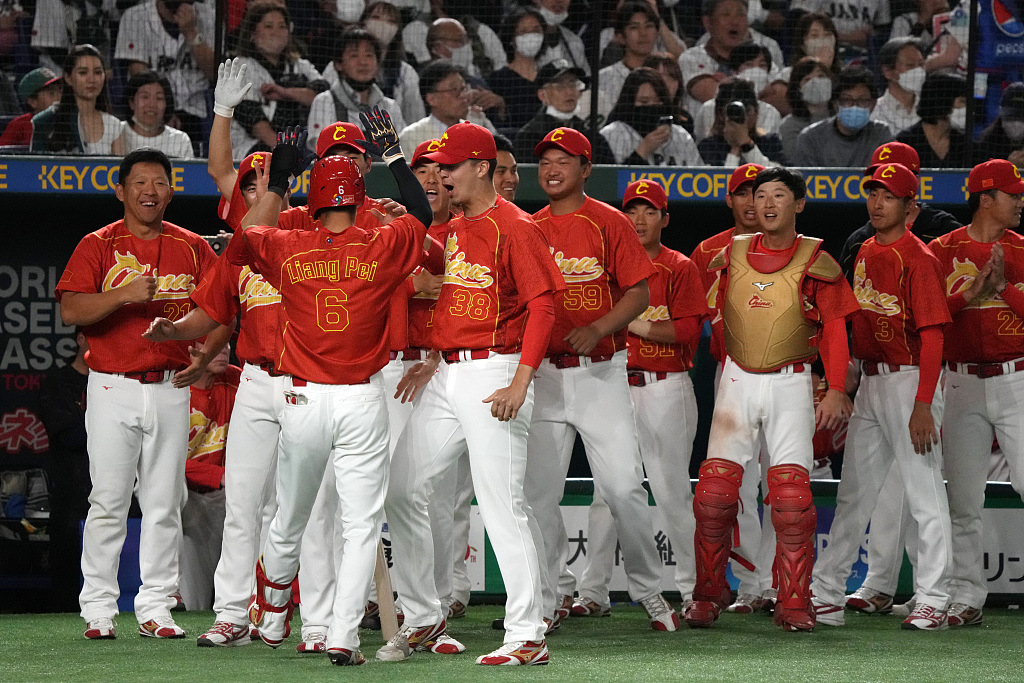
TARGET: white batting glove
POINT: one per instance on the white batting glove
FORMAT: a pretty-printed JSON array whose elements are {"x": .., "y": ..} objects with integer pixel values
[{"x": 232, "y": 85}]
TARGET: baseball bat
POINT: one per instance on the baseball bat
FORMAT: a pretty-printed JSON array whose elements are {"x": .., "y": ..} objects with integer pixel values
[{"x": 385, "y": 595}]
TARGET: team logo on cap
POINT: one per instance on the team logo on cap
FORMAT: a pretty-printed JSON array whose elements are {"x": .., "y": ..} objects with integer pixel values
[
  {"x": 434, "y": 145},
  {"x": 869, "y": 297},
  {"x": 339, "y": 133},
  {"x": 888, "y": 172},
  {"x": 641, "y": 188},
  {"x": 258, "y": 160},
  {"x": 1016, "y": 172},
  {"x": 557, "y": 134},
  {"x": 751, "y": 172},
  {"x": 884, "y": 154}
]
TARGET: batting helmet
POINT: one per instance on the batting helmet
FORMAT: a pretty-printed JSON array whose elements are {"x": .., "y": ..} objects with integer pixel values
[{"x": 334, "y": 181}]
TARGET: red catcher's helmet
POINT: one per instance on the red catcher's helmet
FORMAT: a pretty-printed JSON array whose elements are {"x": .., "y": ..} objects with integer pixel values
[{"x": 334, "y": 181}]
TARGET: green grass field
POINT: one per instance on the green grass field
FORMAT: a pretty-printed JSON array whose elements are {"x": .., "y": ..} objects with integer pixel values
[{"x": 618, "y": 648}]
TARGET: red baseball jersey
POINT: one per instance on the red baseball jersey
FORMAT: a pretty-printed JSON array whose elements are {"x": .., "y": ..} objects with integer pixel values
[
  {"x": 421, "y": 306},
  {"x": 600, "y": 256},
  {"x": 112, "y": 257},
  {"x": 986, "y": 331},
  {"x": 702, "y": 256},
  {"x": 210, "y": 412},
  {"x": 899, "y": 288},
  {"x": 676, "y": 293},
  {"x": 495, "y": 263},
  {"x": 298, "y": 218},
  {"x": 333, "y": 288}
]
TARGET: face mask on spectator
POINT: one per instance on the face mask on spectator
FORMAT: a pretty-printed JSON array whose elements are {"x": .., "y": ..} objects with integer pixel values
[
  {"x": 854, "y": 118},
  {"x": 529, "y": 44},
  {"x": 462, "y": 56},
  {"x": 757, "y": 75},
  {"x": 384, "y": 31},
  {"x": 913, "y": 80},
  {"x": 1014, "y": 129},
  {"x": 349, "y": 11},
  {"x": 813, "y": 45},
  {"x": 551, "y": 17},
  {"x": 958, "y": 119},
  {"x": 816, "y": 91},
  {"x": 274, "y": 44}
]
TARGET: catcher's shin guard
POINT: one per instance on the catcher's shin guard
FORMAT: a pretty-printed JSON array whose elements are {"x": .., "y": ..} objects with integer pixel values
[
  {"x": 715, "y": 505},
  {"x": 795, "y": 520},
  {"x": 271, "y": 607}
]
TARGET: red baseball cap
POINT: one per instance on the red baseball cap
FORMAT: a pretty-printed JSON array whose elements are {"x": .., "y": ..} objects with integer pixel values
[
  {"x": 234, "y": 211},
  {"x": 896, "y": 178},
  {"x": 464, "y": 141},
  {"x": 744, "y": 174},
  {"x": 340, "y": 133},
  {"x": 995, "y": 174},
  {"x": 422, "y": 149},
  {"x": 569, "y": 140},
  {"x": 649, "y": 191},
  {"x": 895, "y": 153}
]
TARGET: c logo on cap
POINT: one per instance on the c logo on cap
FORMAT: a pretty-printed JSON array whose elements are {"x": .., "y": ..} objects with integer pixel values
[
  {"x": 557, "y": 135},
  {"x": 433, "y": 145},
  {"x": 888, "y": 171},
  {"x": 339, "y": 133},
  {"x": 641, "y": 188},
  {"x": 1016, "y": 172},
  {"x": 257, "y": 159},
  {"x": 884, "y": 154},
  {"x": 751, "y": 172}
]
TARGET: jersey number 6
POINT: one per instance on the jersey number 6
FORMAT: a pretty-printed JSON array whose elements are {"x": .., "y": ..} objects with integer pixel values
[{"x": 331, "y": 314}]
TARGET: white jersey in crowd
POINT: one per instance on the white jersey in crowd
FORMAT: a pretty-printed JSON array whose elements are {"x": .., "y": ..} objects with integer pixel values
[
  {"x": 849, "y": 15},
  {"x": 406, "y": 96},
  {"x": 340, "y": 104},
  {"x": 414, "y": 37},
  {"x": 113, "y": 128},
  {"x": 680, "y": 150},
  {"x": 142, "y": 38},
  {"x": 892, "y": 113},
  {"x": 768, "y": 119},
  {"x": 56, "y": 23},
  {"x": 432, "y": 128},
  {"x": 170, "y": 141},
  {"x": 570, "y": 48}
]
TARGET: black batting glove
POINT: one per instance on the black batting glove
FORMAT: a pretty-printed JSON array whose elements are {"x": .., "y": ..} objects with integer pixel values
[{"x": 380, "y": 131}]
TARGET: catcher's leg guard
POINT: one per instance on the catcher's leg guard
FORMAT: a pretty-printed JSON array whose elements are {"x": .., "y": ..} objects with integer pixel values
[
  {"x": 795, "y": 520},
  {"x": 271, "y": 607},
  {"x": 715, "y": 505}
]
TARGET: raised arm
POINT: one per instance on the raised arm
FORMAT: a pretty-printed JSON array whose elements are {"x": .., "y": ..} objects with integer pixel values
[{"x": 232, "y": 85}]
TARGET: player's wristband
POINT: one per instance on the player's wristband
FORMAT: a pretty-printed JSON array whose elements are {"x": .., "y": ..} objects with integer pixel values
[{"x": 221, "y": 110}]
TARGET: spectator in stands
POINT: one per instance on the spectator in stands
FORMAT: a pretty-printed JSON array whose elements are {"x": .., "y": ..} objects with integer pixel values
[
  {"x": 753, "y": 63},
  {"x": 636, "y": 26},
  {"x": 668, "y": 67},
  {"x": 318, "y": 23},
  {"x": 446, "y": 94},
  {"x": 735, "y": 138},
  {"x": 1004, "y": 137},
  {"x": 522, "y": 34},
  {"x": 447, "y": 40},
  {"x": 151, "y": 102},
  {"x": 816, "y": 36},
  {"x": 283, "y": 84},
  {"x": 354, "y": 87},
  {"x": 565, "y": 44},
  {"x": 612, "y": 48},
  {"x": 59, "y": 24},
  {"x": 643, "y": 131},
  {"x": 175, "y": 39},
  {"x": 902, "y": 64},
  {"x": 80, "y": 123},
  {"x": 849, "y": 138},
  {"x": 810, "y": 100},
  {"x": 919, "y": 24},
  {"x": 856, "y": 20},
  {"x": 466, "y": 41},
  {"x": 39, "y": 89},
  {"x": 396, "y": 77},
  {"x": 704, "y": 66},
  {"x": 938, "y": 138},
  {"x": 560, "y": 87}
]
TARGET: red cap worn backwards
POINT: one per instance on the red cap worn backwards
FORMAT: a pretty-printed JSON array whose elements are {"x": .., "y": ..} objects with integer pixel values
[
  {"x": 895, "y": 153},
  {"x": 744, "y": 174},
  {"x": 896, "y": 178},
  {"x": 422, "y": 149},
  {"x": 649, "y": 191},
  {"x": 569, "y": 140},
  {"x": 234, "y": 211},
  {"x": 995, "y": 174},
  {"x": 464, "y": 141},
  {"x": 340, "y": 133}
]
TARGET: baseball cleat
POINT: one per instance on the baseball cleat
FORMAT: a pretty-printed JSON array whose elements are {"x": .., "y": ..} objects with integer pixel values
[
  {"x": 521, "y": 653},
  {"x": 565, "y": 609},
  {"x": 791, "y": 619},
  {"x": 179, "y": 604},
  {"x": 903, "y": 611},
  {"x": 341, "y": 657},
  {"x": 701, "y": 614},
  {"x": 746, "y": 603},
  {"x": 960, "y": 614},
  {"x": 254, "y": 633},
  {"x": 225, "y": 634},
  {"x": 456, "y": 609},
  {"x": 100, "y": 629},
  {"x": 869, "y": 601},
  {"x": 433, "y": 638},
  {"x": 313, "y": 642},
  {"x": 926, "y": 618},
  {"x": 585, "y": 607},
  {"x": 161, "y": 627},
  {"x": 498, "y": 624},
  {"x": 825, "y": 613},
  {"x": 661, "y": 614},
  {"x": 371, "y": 617}
]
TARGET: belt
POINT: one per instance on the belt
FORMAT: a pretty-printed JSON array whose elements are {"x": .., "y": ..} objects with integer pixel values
[
  {"x": 393, "y": 355},
  {"x": 296, "y": 382},
  {"x": 412, "y": 354},
  {"x": 269, "y": 369},
  {"x": 465, "y": 354},
  {"x": 641, "y": 378},
  {"x": 986, "y": 370},
  {"x": 146, "y": 376},
  {"x": 872, "y": 368},
  {"x": 792, "y": 368},
  {"x": 571, "y": 360}
]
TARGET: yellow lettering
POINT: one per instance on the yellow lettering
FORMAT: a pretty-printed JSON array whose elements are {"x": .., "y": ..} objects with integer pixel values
[
  {"x": 833, "y": 185},
  {"x": 722, "y": 183},
  {"x": 3, "y": 177},
  {"x": 178, "y": 179},
  {"x": 704, "y": 179},
  {"x": 859, "y": 182},
  {"x": 65, "y": 178},
  {"x": 92, "y": 178},
  {"x": 925, "y": 192},
  {"x": 682, "y": 192},
  {"x": 80, "y": 177},
  {"x": 821, "y": 186}
]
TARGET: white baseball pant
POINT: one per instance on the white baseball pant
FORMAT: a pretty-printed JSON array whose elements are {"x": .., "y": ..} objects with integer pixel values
[
  {"x": 134, "y": 431},
  {"x": 202, "y": 533},
  {"x": 878, "y": 439},
  {"x": 449, "y": 418},
  {"x": 892, "y": 528}
]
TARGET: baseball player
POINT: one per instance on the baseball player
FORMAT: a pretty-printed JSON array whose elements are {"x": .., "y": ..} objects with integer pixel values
[
  {"x": 983, "y": 268},
  {"x": 506, "y": 175},
  {"x": 892, "y": 525},
  {"x": 897, "y": 337},
  {"x": 333, "y": 283},
  {"x": 118, "y": 278},
  {"x": 582, "y": 385},
  {"x": 660, "y": 347},
  {"x": 756, "y": 534},
  {"x": 492, "y": 320},
  {"x": 781, "y": 299}
]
